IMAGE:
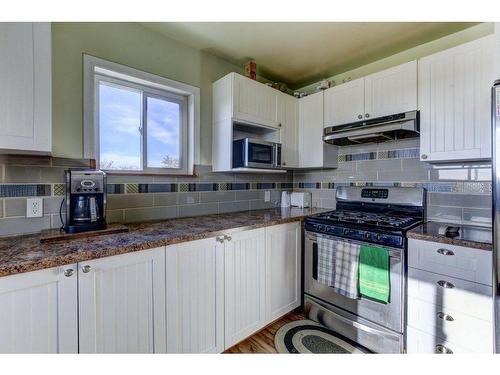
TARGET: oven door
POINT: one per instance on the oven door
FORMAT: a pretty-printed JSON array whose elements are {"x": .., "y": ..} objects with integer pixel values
[
  {"x": 261, "y": 154},
  {"x": 390, "y": 315}
]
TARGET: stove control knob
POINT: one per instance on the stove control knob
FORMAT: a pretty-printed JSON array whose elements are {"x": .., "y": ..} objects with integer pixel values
[
  {"x": 321, "y": 227},
  {"x": 379, "y": 237},
  {"x": 345, "y": 231},
  {"x": 367, "y": 236}
]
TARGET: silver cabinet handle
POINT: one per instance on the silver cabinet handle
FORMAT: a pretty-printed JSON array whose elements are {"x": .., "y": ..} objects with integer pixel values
[
  {"x": 69, "y": 272},
  {"x": 441, "y": 349},
  {"x": 445, "y": 252},
  {"x": 229, "y": 238},
  {"x": 441, "y": 315},
  {"x": 445, "y": 284},
  {"x": 360, "y": 116},
  {"x": 424, "y": 156},
  {"x": 220, "y": 239},
  {"x": 367, "y": 115},
  {"x": 284, "y": 163},
  {"x": 86, "y": 268}
]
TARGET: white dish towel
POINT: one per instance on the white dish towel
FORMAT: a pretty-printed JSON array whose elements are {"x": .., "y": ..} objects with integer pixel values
[{"x": 338, "y": 263}]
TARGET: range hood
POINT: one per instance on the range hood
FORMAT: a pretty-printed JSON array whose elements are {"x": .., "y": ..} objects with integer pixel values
[{"x": 381, "y": 129}]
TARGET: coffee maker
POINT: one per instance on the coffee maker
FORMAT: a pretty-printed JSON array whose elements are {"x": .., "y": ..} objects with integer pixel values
[{"x": 85, "y": 200}]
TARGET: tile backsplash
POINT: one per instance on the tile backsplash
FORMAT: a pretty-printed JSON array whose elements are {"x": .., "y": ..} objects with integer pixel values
[
  {"x": 459, "y": 192},
  {"x": 130, "y": 198},
  {"x": 456, "y": 192}
]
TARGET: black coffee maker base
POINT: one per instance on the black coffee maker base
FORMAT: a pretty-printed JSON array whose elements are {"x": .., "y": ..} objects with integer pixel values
[{"x": 84, "y": 227}]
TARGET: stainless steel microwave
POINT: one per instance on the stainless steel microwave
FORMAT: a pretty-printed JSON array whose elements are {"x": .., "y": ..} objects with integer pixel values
[{"x": 256, "y": 153}]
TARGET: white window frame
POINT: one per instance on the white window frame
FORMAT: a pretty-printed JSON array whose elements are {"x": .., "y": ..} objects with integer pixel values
[{"x": 153, "y": 85}]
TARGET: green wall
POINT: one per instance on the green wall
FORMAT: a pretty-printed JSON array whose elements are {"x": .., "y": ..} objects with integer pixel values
[
  {"x": 129, "y": 44},
  {"x": 414, "y": 53}
]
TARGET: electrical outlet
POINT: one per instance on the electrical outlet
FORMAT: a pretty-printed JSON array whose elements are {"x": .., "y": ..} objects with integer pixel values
[
  {"x": 267, "y": 196},
  {"x": 34, "y": 207}
]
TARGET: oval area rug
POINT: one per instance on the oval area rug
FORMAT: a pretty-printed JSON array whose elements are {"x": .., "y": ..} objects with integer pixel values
[{"x": 306, "y": 337}]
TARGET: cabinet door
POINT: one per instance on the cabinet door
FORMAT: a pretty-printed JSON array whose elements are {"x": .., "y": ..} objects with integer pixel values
[
  {"x": 345, "y": 103},
  {"x": 254, "y": 102},
  {"x": 311, "y": 131},
  {"x": 195, "y": 297},
  {"x": 244, "y": 261},
  {"x": 122, "y": 303},
  {"x": 38, "y": 311},
  {"x": 283, "y": 272},
  {"x": 289, "y": 119},
  {"x": 25, "y": 92},
  {"x": 454, "y": 100},
  {"x": 391, "y": 91}
]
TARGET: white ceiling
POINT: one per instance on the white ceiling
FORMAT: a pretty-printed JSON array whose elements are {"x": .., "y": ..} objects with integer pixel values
[{"x": 302, "y": 53}]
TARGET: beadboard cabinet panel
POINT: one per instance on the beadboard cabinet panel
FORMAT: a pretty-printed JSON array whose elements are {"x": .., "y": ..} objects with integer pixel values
[
  {"x": 25, "y": 90},
  {"x": 122, "y": 303},
  {"x": 345, "y": 103},
  {"x": 288, "y": 108},
  {"x": 38, "y": 311},
  {"x": 245, "y": 278},
  {"x": 391, "y": 91},
  {"x": 454, "y": 102},
  {"x": 195, "y": 297},
  {"x": 283, "y": 269}
]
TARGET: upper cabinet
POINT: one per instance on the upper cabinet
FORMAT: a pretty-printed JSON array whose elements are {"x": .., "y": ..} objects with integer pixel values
[
  {"x": 391, "y": 91},
  {"x": 345, "y": 103},
  {"x": 25, "y": 90},
  {"x": 384, "y": 93},
  {"x": 454, "y": 102},
  {"x": 288, "y": 109},
  {"x": 314, "y": 153},
  {"x": 246, "y": 100}
]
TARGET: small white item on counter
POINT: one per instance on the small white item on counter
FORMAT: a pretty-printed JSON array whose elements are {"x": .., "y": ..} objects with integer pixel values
[{"x": 302, "y": 199}]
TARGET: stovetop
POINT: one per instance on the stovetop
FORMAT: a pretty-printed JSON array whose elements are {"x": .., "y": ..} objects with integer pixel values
[{"x": 391, "y": 220}]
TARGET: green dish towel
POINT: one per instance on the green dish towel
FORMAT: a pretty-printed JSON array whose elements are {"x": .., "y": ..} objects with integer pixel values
[{"x": 374, "y": 273}]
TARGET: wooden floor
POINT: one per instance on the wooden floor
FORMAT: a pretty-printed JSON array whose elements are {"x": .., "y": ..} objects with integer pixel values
[{"x": 262, "y": 342}]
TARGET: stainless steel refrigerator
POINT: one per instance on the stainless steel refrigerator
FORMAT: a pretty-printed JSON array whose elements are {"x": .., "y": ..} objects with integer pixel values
[{"x": 495, "y": 116}]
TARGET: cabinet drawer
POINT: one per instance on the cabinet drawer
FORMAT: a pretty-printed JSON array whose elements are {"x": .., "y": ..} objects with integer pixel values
[
  {"x": 418, "y": 342},
  {"x": 452, "y": 325},
  {"x": 450, "y": 260},
  {"x": 463, "y": 296}
]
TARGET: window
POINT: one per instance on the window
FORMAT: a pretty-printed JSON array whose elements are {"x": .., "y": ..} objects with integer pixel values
[{"x": 138, "y": 123}]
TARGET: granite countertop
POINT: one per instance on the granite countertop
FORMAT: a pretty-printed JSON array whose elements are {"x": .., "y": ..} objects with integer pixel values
[
  {"x": 25, "y": 253},
  {"x": 469, "y": 236}
]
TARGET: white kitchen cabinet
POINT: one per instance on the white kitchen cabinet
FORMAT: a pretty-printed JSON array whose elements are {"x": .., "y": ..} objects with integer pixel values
[
  {"x": 384, "y": 93},
  {"x": 454, "y": 101},
  {"x": 195, "y": 297},
  {"x": 246, "y": 100},
  {"x": 245, "y": 278},
  {"x": 283, "y": 269},
  {"x": 288, "y": 107},
  {"x": 38, "y": 311},
  {"x": 345, "y": 103},
  {"x": 391, "y": 91},
  {"x": 313, "y": 152},
  {"x": 121, "y": 302},
  {"x": 25, "y": 90}
]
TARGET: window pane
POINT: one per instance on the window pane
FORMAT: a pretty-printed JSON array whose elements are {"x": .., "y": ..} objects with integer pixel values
[
  {"x": 163, "y": 133},
  {"x": 119, "y": 122}
]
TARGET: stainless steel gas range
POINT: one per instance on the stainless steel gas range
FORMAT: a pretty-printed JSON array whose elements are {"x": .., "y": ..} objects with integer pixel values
[{"x": 378, "y": 217}]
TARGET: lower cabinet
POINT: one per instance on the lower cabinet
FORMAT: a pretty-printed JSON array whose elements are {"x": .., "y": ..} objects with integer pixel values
[
  {"x": 38, "y": 311},
  {"x": 283, "y": 269},
  {"x": 195, "y": 297},
  {"x": 122, "y": 303},
  {"x": 245, "y": 285}
]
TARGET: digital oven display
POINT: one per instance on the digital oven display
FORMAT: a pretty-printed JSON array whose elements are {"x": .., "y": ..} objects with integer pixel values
[{"x": 375, "y": 193}]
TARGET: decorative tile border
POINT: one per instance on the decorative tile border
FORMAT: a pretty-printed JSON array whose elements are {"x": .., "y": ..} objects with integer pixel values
[
  {"x": 25, "y": 190},
  {"x": 405, "y": 153}
]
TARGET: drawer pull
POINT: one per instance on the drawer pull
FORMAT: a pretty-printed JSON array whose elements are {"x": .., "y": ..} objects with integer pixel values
[
  {"x": 445, "y": 284},
  {"x": 445, "y": 252},
  {"x": 443, "y": 316},
  {"x": 441, "y": 349}
]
